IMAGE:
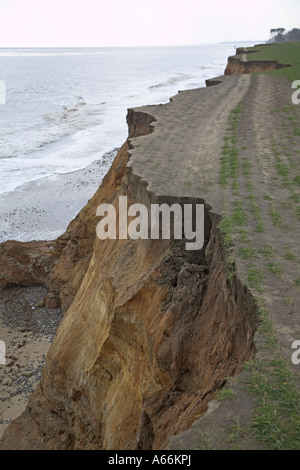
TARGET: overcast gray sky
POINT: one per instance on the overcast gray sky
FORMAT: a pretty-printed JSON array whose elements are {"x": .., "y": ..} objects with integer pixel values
[{"x": 46, "y": 23}]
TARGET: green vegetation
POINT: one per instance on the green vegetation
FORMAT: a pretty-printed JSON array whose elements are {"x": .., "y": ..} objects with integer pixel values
[
  {"x": 229, "y": 160},
  {"x": 268, "y": 251},
  {"x": 284, "y": 53},
  {"x": 225, "y": 392},
  {"x": 277, "y": 418},
  {"x": 297, "y": 281},
  {"x": 273, "y": 385},
  {"x": 255, "y": 278},
  {"x": 275, "y": 268},
  {"x": 270, "y": 380},
  {"x": 246, "y": 252},
  {"x": 234, "y": 431},
  {"x": 290, "y": 256},
  {"x": 204, "y": 441}
]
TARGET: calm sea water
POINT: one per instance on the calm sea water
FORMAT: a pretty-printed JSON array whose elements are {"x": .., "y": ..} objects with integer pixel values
[{"x": 67, "y": 107}]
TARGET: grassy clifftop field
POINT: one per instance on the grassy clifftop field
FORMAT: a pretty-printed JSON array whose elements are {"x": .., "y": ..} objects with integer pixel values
[{"x": 284, "y": 53}]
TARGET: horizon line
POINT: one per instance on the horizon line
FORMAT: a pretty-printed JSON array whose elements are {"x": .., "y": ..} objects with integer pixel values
[{"x": 129, "y": 46}]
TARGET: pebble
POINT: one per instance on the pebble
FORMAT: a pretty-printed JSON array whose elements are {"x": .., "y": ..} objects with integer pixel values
[
  {"x": 17, "y": 309},
  {"x": 19, "y": 314}
]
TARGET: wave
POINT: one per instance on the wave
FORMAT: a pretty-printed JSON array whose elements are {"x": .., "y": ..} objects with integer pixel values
[
  {"x": 52, "y": 128},
  {"x": 72, "y": 114},
  {"x": 171, "y": 81}
]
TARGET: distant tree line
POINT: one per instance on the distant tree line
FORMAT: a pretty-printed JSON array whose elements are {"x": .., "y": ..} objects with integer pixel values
[{"x": 281, "y": 35}]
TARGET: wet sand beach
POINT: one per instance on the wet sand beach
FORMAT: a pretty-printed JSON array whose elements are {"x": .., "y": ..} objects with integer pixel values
[{"x": 42, "y": 209}]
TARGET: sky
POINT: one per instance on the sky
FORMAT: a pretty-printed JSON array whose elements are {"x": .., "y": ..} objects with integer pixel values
[{"x": 102, "y": 23}]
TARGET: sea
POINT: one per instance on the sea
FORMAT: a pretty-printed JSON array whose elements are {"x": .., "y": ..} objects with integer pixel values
[{"x": 65, "y": 108}]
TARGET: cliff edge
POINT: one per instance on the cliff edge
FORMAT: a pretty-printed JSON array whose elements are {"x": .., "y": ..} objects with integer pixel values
[
  {"x": 151, "y": 331},
  {"x": 239, "y": 63}
]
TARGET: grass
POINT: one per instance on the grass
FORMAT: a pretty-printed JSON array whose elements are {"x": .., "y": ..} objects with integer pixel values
[
  {"x": 275, "y": 268},
  {"x": 204, "y": 441},
  {"x": 297, "y": 180},
  {"x": 289, "y": 301},
  {"x": 234, "y": 431},
  {"x": 226, "y": 229},
  {"x": 290, "y": 256},
  {"x": 276, "y": 416},
  {"x": 247, "y": 252},
  {"x": 244, "y": 238},
  {"x": 284, "y": 53},
  {"x": 276, "y": 217},
  {"x": 268, "y": 251},
  {"x": 229, "y": 159},
  {"x": 224, "y": 393},
  {"x": 260, "y": 227},
  {"x": 276, "y": 419},
  {"x": 267, "y": 329},
  {"x": 282, "y": 170},
  {"x": 297, "y": 281},
  {"x": 239, "y": 216},
  {"x": 246, "y": 167},
  {"x": 255, "y": 278}
]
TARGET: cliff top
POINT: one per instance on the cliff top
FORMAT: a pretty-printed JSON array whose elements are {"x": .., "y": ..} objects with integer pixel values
[
  {"x": 181, "y": 157},
  {"x": 283, "y": 53},
  {"x": 152, "y": 333}
]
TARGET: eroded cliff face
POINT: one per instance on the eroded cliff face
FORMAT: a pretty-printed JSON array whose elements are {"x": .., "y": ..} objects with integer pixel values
[
  {"x": 238, "y": 64},
  {"x": 150, "y": 333},
  {"x": 61, "y": 264}
]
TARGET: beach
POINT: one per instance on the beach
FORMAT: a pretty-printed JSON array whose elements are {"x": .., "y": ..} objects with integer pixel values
[
  {"x": 54, "y": 130},
  {"x": 42, "y": 209},
  {"x": 27, "y": 332},
  {"x": 39, "y": 210},
  {"x": 159, "y": 345}
]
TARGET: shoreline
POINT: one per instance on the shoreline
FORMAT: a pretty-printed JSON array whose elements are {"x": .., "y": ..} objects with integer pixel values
[
  {"x": 154, "y": 336},
  {"x": 24, "y": 216},
  {"x": 26, "y": 211},
  {"x": 27, "y": 331}
]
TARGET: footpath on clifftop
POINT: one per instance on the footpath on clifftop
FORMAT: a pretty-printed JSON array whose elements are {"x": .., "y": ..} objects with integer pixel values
[{"x": 164, "y": 349}]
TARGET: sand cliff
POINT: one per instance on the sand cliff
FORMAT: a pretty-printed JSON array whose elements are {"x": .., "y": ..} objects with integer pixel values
[
  {"x": 151, "y": 330},
  {"x": 239, "y": 63}
]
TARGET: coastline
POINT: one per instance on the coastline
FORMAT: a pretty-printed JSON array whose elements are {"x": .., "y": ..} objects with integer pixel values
[
  {"x": 155, "y": 330},
  {"x": 37, "y": 210},
  {"x": 172, "y": 127},
  {"x": 42, "y": 209},
  {"x": 28, "y": 331}
]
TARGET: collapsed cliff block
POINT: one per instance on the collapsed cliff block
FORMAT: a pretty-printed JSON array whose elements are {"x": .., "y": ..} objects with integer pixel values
[{"x": 27, "y": 263}]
